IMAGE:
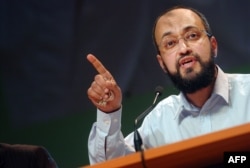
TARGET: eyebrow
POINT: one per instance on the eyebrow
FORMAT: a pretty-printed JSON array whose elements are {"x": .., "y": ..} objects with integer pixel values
[
  {"x": 185, "y": 29},
  {"x": 166, "y": 34}
]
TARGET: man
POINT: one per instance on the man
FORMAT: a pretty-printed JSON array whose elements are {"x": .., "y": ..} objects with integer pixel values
[{"x": 209, "y": 99}]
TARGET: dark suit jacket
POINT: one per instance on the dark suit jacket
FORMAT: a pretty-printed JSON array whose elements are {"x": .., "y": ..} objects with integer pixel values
[{"x": 25, "y": 156}]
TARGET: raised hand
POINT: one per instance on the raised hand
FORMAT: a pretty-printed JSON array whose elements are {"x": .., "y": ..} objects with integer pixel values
[{"x": 104, "y": 92}]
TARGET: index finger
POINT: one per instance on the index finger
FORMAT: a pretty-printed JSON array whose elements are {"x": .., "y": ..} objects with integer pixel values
[{"x": 97, "y": 64}]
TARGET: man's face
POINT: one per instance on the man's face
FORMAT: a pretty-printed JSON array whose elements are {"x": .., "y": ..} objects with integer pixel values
[{"x": 186, "y": 52}]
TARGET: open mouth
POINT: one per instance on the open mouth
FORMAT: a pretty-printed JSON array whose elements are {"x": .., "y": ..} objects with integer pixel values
[{"x": 187, "y": 61}]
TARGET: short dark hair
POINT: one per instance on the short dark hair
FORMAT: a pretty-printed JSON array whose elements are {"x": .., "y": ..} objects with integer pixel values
[{"x": 201, "y": 16}]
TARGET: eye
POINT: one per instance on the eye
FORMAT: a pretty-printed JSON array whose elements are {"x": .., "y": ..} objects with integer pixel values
[
  {"x": 169, "y": 43},
  {"x": 192, "y": 35}
]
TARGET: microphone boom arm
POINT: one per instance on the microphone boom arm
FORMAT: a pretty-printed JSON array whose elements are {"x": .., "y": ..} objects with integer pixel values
[
  {"x": 150, "y": 108},
  {"x": 137, "y": 138}
]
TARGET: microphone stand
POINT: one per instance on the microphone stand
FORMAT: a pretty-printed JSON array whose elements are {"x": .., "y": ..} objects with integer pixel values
[{"x": 137, "y": 137}]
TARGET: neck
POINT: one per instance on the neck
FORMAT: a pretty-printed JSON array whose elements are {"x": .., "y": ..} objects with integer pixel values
[{"x": 199, "y": 97}]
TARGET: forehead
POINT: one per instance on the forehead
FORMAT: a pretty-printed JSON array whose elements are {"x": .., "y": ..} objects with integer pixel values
[{"x": 175, "y": 22}]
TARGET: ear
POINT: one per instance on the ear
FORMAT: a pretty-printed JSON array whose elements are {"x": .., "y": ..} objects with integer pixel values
[
  {"x": 160, "y": 61},
  {"x": 214, "y": 45}
]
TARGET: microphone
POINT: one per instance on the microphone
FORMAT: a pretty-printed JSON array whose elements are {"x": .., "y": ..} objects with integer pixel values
[{"x": 137, "y": 137}]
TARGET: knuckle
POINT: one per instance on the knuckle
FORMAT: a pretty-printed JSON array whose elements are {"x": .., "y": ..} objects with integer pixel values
[
  {"x": 89, "y": 91},
  {"x": 97, "y": 77},
  {"x": 93, "y": 84}
]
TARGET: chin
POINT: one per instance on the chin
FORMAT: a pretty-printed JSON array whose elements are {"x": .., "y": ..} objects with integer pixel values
[{"x": 190, "y": 72}]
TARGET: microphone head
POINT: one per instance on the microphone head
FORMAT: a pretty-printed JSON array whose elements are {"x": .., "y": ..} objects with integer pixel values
[{"x": 159, "y": 90}]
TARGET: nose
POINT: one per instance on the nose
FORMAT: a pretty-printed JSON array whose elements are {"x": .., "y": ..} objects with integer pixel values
[{"x": 183, "y": 46}]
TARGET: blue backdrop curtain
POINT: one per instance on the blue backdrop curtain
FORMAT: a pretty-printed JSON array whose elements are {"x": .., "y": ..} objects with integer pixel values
[{"x": 43, "y": 47}]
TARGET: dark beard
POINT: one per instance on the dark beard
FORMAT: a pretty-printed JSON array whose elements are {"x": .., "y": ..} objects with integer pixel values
[{"x": 201, "y": 79}]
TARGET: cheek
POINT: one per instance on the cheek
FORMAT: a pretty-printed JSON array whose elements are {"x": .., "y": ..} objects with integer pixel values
[
  {"x": 204, "y": 51},
  {"x": 170, "y": 62}
]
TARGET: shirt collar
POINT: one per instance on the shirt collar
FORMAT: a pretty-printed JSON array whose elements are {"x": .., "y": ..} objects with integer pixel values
[{"x": 221, "y": 88}]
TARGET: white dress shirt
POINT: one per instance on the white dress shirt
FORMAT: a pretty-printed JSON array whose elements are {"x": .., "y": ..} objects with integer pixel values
[{"x": 175, "y": 119}]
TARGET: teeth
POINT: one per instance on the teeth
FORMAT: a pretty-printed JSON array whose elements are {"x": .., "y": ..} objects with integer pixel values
[{"x": 187, "y": 61}]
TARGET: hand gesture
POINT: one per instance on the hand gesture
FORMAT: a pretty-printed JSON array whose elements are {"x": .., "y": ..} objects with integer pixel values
[{"x": 104, "y": 92}]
